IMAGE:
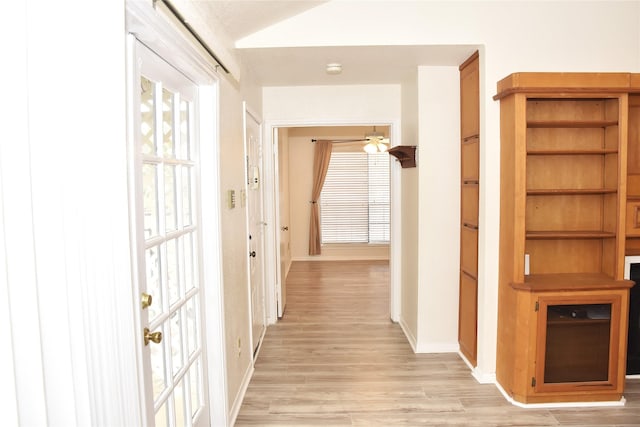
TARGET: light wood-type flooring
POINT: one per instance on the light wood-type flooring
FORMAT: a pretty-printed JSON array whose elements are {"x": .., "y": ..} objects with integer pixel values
[{"x": 335, "y": 359}]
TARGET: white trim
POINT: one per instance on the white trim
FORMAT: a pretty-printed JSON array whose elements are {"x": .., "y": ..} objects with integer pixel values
[
  {"x": 628, "y": 260},
  {"x": 342, "y": 258},
  {"x": 483, "y": 377},
  {"x": 556, "y": 405},
  {"x": 273, "y": 287},
  {"x": 407, "y": 333},
  {"x": 633, "y": 377},
  {"x": 167, "y": 41},
  {"x": 266, "y": 256},
  {"x": 270, "y": 214},
  {"x": 477, "y": 373},
  {"x": 274, "y": 192},
  {"x": 395, "y": 244},
  {"x": 212, "y": 253},
  {"x": 242, "y": 390}
]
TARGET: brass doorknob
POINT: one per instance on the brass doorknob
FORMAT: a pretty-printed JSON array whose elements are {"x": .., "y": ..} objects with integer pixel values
[
  {"x": 156, "y": 337},
  {"x": 146, "y": 300}
]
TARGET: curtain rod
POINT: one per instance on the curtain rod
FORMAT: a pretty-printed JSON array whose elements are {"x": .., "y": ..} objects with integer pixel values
[{"x": 191, "y": 31}]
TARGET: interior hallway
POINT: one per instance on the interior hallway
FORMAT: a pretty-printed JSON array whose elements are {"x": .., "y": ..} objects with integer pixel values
[{"x": 335, "y": 359}]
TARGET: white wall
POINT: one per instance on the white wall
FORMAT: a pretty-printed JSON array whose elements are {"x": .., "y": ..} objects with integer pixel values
[
  {"x": 327, "y": 105},
  {"x": 235, "y": 88},
  {"x": 234, "y": 243},
  {"x": 409, "y": 220},
  {"x": 513, "y": 36},
  {"x": 438, "y": 208}
]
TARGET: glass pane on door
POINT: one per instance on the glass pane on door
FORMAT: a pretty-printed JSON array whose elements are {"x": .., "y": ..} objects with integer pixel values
[
  {"x": 577, "y": 343},
  {"x": 167, "y": 198}
]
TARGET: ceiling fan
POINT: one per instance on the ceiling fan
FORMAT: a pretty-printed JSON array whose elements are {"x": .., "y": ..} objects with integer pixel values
[{"x": 376, "y": 142}]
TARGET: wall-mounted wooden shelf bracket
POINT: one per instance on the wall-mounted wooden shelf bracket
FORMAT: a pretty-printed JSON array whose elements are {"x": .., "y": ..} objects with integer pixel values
[{"x": 406, "y": 154}]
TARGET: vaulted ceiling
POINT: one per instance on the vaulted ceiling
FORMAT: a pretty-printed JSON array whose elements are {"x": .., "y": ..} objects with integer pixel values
[
  {"x": 297, "y": 66},
  {"x": 239, "y": 18}
]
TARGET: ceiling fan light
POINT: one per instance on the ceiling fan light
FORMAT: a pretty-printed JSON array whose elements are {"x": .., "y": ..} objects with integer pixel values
[
  {"x": 371, "y": 147},
  {"x": 382, "y": 147}
]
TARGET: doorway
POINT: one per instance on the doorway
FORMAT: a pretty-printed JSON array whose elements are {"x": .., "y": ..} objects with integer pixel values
[{"x": 293, "y": 144}]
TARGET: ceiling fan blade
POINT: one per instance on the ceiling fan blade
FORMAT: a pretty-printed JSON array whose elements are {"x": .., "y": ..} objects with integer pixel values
[
  {"x": 377, "y": 139},
  {"x": 338, "y": 140}
]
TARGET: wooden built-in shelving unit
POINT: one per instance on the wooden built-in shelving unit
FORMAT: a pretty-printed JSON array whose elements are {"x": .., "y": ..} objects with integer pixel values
[{"x": 562, "y": 236}]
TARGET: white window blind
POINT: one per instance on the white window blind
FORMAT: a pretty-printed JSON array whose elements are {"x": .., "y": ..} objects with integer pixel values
[{"x": 354, "y": 203}]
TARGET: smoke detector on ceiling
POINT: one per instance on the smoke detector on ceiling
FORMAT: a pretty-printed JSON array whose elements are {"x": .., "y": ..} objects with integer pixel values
[{"x": 334, "y": 68}]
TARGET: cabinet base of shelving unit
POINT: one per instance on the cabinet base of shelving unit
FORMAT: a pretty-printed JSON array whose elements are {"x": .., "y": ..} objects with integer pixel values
[{"x": 568, "y": 403}]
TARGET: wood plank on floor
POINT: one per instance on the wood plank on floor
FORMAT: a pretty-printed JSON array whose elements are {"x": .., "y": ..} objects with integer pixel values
[{"x": 335, "y": 359}]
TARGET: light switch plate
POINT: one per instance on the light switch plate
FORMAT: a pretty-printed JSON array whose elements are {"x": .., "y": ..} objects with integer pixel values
[{"x": 231, "y": 199}]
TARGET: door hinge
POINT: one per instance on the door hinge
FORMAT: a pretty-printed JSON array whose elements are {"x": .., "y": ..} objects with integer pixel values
[
  {"x": 537, "y": 306},
  {"x": 533, "y": 381}
]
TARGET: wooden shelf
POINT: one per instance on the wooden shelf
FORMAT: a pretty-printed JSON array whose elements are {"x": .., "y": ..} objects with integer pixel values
[
  {"x": 406, "y": 154},
  {"x": 541, "y": 235},
  {"x": 570, "y": 282},
  {"x": 571, "y": 124},
  {"x": 570, "y": 152},
  {"x": 568, "y": 192}
]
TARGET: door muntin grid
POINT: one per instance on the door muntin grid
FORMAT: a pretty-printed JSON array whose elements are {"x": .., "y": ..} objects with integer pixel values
[{"x": 167, "y": 163}]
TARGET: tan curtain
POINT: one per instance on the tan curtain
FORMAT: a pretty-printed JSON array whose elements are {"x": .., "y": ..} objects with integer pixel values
[{"x": 321, "y": 157}]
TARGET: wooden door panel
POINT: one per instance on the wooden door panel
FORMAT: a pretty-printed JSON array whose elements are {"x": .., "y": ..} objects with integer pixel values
[
  {"x": 469, "y": 211},
  {"x": 469, "y": 251},
  {"x": 469, "y": 205},
  {"x": 467, "y": 330},
  {"x": 470, "y": 158},
  {"x": 633, "y": 219},
  {"x": 469, "y": 96}
]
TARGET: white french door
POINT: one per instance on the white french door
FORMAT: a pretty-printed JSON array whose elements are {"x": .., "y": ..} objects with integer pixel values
[{"x": 167, "y": 235}]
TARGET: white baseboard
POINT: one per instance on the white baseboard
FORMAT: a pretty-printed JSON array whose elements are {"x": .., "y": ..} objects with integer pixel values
[
  {"x": 444, "y": 347},
  {"x": 343, "y": 258},
  {"x": 483, "y": 377},
  {"x": 477, "y": 373},
  {"x": 408, "y": 334},
  {"x": 620, "y": 402},
  {"x": 237, "y": 402},
  {"x": 633, "y": 377}
]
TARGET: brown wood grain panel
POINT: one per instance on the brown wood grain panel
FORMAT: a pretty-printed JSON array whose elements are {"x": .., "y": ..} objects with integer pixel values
[
  {"x": 469, "y": 204},
  {"x": 467, "y": 331}
]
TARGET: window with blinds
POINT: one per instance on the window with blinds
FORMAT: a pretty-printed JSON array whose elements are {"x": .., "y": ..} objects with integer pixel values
[{"x": 354, "y": 203}]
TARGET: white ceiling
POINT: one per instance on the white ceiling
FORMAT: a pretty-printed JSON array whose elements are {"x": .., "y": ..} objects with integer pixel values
[
  {"x": 302, "y": 66},
  {"x": 240, "y": 18},
  {"x": 299, "y": 66}
]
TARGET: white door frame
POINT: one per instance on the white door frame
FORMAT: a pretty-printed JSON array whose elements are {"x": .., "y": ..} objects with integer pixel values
[
  {"x": 164, "y": 39},
  {"x": 272, "y": 235}
]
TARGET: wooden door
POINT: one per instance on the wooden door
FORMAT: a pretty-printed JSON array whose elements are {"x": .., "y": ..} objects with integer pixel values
[{"x": 469, "y": 197}]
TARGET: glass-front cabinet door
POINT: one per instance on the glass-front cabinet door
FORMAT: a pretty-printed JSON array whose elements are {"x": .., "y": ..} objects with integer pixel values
[{"x": 577, "y": 343}]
